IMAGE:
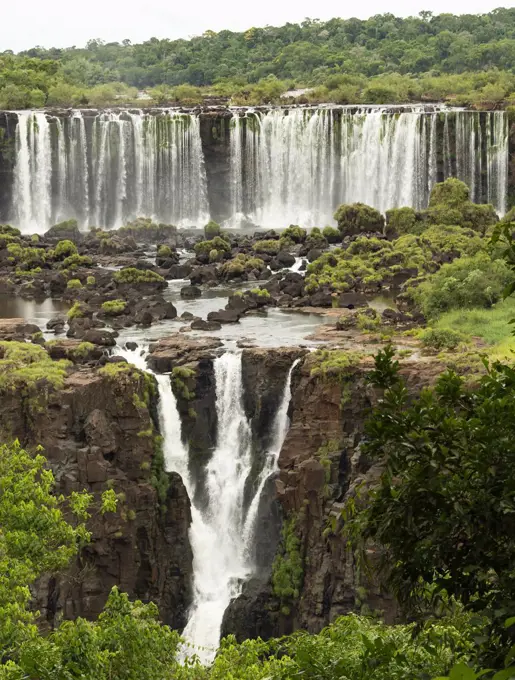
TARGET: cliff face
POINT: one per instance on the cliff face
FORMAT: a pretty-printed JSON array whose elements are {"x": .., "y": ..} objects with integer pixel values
[
  {"x": 100, "y": 431},
  {"x": 320, "y": 467}
]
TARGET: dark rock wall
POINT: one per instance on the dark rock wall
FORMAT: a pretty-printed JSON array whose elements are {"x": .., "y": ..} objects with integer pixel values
[
  {"x": 7, "y": 156},
  {"x": 96, "y": 434}
]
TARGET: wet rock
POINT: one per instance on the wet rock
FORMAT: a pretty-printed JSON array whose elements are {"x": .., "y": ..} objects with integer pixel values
[
  {"x": 285, "y": 258},
  {"x": 224, "y": 316},
  {"x": 56, "y": 324},
  {"x": 144, "y": 317},
  {"x": 131, "y": 346},
  {"x": 190, "y": 292},
  {"x": 74, "y": 350},
  {"x": 178, "y": 349},
  {"x": 201, "y": 275},
  {"x": 321, "y": 299},
  {"x": 179, "y": 271},
  {"x": 314, "y": 254},
  {"x": 99, "y": 337},
  {"x": 201, "y": 325},
  {"x": 17, "y": 329},
  {"x": 352, "y": 300},
  {"x": 187, "y": 316}
]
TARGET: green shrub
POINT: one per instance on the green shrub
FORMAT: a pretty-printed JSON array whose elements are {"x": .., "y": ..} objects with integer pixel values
[
  {"x": 267, "y": 246},
  {"x": 331, "y": 235},
  {"x": 203, "y": 248},
  {"x": 75, "y": 312},
  {"x": 211, "y": 230},
  {"x": 91, "y": 281},
  {"x": 74, "y": 283},
  {"x": 65, "y": 249},
  {"x": 295, "y": 234},
  {"x": 27, "y": 363},
  {"x": 441, "y": 338},
  {"x": 134, "y": 276},
  {"x": 164, "y": 251},
  {"x": 401, "y": 221},
  {"x": 452, "y": 193},
  {"x": 467, "y": 282},
  {"x": 356, "y": 218},
  {"x": 114, "y": 307},
  {"x": 288, "y": 565}
]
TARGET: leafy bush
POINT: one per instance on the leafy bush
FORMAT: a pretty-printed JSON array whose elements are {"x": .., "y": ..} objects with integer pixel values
[
  {"x": 74, "y": 283},
  {"x": 331, "y": 235},
  {"x": 203, "y": 248},
  {"x": 267, "y": 246},
  {"x": 164, "y": 251},
  {"x": 211, "y": 230},
  {"x": 114, "y": 307},
  {"x": 463, "y": 284},
  {"x": 75, "y": 312},
  {"x": 91, "y": 281},
  {"x": 441, "y": 338},
  {"x": 134, "y": 276},
  {"x": 64, "y": 249},
  {"x": 401, "y": 221},
  {"x": 356, "y": 218},
  {"x": 295, "y": 234}
]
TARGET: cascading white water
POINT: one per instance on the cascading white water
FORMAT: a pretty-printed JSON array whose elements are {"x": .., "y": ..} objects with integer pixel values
[
  {"x": 279, "y": 431},
  {"x": 222, "y": 529},
  {"x": 108, "y": 168},
  {"x": 296, "y": 166}
]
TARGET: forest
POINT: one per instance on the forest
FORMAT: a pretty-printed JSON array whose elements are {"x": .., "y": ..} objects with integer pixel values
[{"x": 466, "y": 60}]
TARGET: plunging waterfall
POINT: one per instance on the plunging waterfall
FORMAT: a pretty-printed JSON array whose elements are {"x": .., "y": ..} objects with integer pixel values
[
  {"x": 296, "y": 166},
  {"x": 222, "y": 528},
  {"x": 107, "y": 168},
  {"x": 266, "y": 168}
]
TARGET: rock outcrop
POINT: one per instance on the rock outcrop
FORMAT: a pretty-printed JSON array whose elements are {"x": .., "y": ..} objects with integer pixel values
[{"x": 99, "y": 429}]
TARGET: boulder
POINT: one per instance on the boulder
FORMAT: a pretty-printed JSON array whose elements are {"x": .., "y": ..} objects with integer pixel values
[
  {"x": 99, "y": 337},
  {"x": 224, "y": 316},
  {"x": 179, "y": 271},
  {"x": 285, "y": 258},
  {"x": 190, "y": 292},
  {"x": 201, "y": 325}
]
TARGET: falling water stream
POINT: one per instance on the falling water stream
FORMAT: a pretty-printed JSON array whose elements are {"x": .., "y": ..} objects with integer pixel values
[{"x": 222, "y": 528}]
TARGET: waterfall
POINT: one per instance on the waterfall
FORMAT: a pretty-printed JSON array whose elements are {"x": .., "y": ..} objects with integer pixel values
[
  {"x": 219, "y": 563},
  {"x": 108, "y": 169},
  {"x": 296, "y": 166},
  {"x": 279, "y": 431}
]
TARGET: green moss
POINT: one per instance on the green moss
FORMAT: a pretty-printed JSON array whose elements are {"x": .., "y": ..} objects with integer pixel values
[
  {"x": 333, "y": 364},
  {"x": 401, "y": 221},
  {"x": 288, "y": 565},
  {"x": 134, "y": 276},
  {"x": 24, "y": 364},
  {"x": 159, "y": 479},
  {"x": 75, "y": 312},
  {"x": 82, "y": 350},
  {"x": 205, "y": 247},
  {"x": 267, "y": 246},
  {"x": 180, "y": 377},
  {"x": 331, "y": 235},
  {"x": 114, "y": 370},
  {"x": 29, "y": 258},
  {"x": 91, "y": 281},
  {"x": 75, "y": 261},
  {"x": 114, "y": 307},
  {"x": 261, "y": 292},
  {"x": 74, "y": 283}
]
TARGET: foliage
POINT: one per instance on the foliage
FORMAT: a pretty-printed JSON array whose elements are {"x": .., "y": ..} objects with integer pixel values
[
  {"x": 371, "y": 262},
  {"x": 442, "y": 506},
  {"x": 357, "y": 217},
  {"x": 383, "y": 59},
  {"x": 135, "y": 276},
  {"x": 400, "y": 221},
  {"x": 288, "y": 566},
  {"x": 267, "y": 246},
  {"x": 331, "y": 235},
  {"x": 332, "y": 364},
  {"x": 211, "y": 230},
  {"x": 75, "y": 261},
  {"x": 75, "y": 312},
  {"x": 164, "y": 251},
  {"x": 467, "y": 282},
  {"x": 23, "y": 364},
  {"x": 74, "y": 283},
  {"x": 114, "y": 307},
  {"x": 449, "y": 203},
  {"x": 181, "y": 377},
  {"x": 295, "y": 234},
  {"x": 64, "y": 248},
  {"x": 204, "y": 248},
  {"x": 90, "y": 281},
  {"x": 492, "y": 324},
  {"x": 441, "y": 338}
]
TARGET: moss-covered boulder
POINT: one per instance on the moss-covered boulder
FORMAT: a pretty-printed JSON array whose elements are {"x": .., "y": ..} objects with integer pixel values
[
  {"x": 356, "y": 218},
  {"x": 401, "y": 221}
]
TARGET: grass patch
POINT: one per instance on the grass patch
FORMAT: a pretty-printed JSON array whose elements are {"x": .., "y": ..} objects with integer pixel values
[{"x": 492, "y": 325}]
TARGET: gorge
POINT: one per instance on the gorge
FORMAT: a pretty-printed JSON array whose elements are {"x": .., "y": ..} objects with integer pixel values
[{"x": 262, "y": 167}]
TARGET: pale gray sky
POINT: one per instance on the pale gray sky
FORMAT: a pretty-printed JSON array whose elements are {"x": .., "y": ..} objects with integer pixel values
[{"x": 62, "y": 23}]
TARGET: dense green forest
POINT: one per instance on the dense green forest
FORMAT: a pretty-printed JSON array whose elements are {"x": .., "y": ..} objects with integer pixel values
[{"x": 467, "y": 59}]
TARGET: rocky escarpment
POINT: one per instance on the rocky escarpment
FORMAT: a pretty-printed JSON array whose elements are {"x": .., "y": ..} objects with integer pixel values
[
  {"x": 320, "y": 468},
  {"x": 98, "y": 428}
]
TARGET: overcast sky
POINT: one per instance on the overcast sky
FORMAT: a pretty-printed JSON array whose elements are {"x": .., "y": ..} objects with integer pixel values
[{"x": 63, "y": 23}]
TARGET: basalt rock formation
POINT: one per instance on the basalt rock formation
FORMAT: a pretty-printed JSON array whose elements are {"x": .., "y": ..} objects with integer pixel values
[{"x": 99, "y": 430}]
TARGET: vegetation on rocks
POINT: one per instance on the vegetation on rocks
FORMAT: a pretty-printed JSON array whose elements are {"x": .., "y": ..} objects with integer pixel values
[
  {"x": 25, "y": 364},
  {"x": 358, "y": 217},
  {"x": 114, "y": 307},
  {"x": 267, "y": 247},
  {"x": 135, "y": 276},
  {"x": 288, "y": 567}
]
